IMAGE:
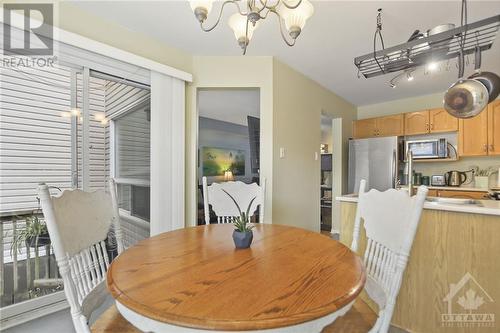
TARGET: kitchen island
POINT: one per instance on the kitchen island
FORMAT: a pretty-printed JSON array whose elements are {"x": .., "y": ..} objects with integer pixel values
[{"x": 452, "y": 281}]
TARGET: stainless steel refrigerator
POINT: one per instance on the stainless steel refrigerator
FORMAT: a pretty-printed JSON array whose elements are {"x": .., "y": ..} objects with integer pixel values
[{"x": 375, "y": 160}]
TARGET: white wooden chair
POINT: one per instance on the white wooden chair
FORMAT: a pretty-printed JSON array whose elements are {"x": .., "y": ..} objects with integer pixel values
[
  {"x": 224, "y": 207},
  {"x": 390, "y": 220},
  {"x": 78, "y": 223}
]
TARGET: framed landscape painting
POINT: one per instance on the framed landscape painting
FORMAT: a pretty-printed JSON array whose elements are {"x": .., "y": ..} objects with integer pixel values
[{"x": 218, "y": 160}]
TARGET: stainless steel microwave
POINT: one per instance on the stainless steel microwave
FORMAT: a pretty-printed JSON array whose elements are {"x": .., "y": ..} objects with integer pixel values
[{"x": 430, "y": 148}]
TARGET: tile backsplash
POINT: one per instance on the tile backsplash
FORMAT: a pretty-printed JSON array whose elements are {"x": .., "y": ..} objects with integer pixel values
[{"x": 463, "y": 164}]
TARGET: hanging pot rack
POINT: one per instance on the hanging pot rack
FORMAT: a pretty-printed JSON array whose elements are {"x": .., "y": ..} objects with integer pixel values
[{"x": 438, "y": 47}]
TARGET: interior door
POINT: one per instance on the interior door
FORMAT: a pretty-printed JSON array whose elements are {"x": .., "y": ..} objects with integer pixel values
[
  {"x": 254, "y": 139},
  {"x": 494, "y": 128},
  {"x": 416, "y": 122}
]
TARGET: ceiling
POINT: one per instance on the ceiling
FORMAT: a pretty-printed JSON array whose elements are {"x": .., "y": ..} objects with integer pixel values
[
  {"x": 229, "y": 105},
  {"x": 336, "y": 33}
]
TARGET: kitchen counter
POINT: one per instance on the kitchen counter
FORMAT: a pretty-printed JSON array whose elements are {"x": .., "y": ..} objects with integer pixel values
[
  {"x": 486, "y": 207},
  {"x": 452, "y": 241},
  {"x": 455, "y": 188}
]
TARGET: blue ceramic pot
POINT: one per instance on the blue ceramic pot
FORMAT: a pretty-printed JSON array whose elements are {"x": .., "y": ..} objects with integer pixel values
[{"x": 242, "y": 240}]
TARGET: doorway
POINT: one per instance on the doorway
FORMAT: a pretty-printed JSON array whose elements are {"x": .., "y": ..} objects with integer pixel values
[
  {"x": 228, "y": 139},
  {"x": 326, "y": 174},
  {"x": 331, "y": 181}
]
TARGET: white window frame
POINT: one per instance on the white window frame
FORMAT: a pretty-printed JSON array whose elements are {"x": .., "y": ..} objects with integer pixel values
[
  {"x": 114, "y": 165},
  {"x": 86, "y": 130},
  {"x": 18, "y": 313},
  {"x": 23, "y": 312},
  {"x": 113, "y": 130},
  {"x": 31, "y": 309}
]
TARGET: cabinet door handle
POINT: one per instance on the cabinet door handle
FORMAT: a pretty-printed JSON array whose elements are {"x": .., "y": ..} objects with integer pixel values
[
  {"x": 492, "y": 148},
  {"x": 432, "y": 126},
  {"x": 485, "y": 148}
]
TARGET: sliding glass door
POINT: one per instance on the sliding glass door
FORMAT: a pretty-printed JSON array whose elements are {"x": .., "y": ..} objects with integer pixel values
[
  {"x": 36, "y": 146},
  {"x": 57, "y": 126}
]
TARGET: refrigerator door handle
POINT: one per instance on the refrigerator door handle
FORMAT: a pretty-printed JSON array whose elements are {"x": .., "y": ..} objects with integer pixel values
[{"x": 394, "y": 169}]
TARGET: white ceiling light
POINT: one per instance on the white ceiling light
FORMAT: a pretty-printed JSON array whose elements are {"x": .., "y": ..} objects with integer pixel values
[
  {"x": 432, "y": 66},
  {"x": 201, "y": 8},
  {"x": 294, "y": 14},
  {"x": 295, "y": 19},
  {"x": 243, "y": 31}
]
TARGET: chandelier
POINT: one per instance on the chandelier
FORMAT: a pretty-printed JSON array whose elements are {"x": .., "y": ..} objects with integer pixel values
[{"x": 245, "y": 21}]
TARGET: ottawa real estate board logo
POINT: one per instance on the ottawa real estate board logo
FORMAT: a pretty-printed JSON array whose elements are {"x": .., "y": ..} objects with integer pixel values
[
  {"x": 467, "y": 303},
  {"x": 28, "y": 35}
]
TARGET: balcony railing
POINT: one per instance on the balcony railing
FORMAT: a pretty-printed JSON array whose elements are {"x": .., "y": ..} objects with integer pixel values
[{"x": 28, "y": 268}]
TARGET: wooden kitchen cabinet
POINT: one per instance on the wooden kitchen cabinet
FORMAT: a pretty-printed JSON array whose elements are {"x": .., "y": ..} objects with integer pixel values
[
  {"x": 390, "y": 125},
  {"x": 430, "y": 193},
  {"x": 416, "y": 122},
  {"x": 494, "y": 128},
  {"x": 480, "y": 135},
  {"x": 381, "y": 126},
  {"x": 429, "y": 121},
  {"x": 473, "y": 135},
  {"x": 365, "y": 128},
  {"x": 441, "y": 121},
  {"x": 462, "y": 194},
  {"x": 412, "y": 123}
]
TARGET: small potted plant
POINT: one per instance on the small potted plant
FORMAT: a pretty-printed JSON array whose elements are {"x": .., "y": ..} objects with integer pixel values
[
  {"x": 242, "y": 234},
  {"x": 34, "y": 235}
]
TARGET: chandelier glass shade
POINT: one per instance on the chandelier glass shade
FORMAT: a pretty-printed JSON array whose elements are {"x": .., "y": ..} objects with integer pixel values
[
  {"x": 293, "y": 14},
  {"x": 242, "y": 34},
  {"x": 205, "y": 4}
]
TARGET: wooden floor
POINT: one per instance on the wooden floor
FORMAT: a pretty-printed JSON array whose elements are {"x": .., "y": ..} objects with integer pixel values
[
  {"x": 111, "y": 321},
  {"x": 393, "y": 329},
  {"x": 359, "y": 319}
]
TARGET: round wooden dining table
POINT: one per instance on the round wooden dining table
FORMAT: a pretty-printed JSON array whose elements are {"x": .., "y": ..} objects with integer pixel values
[{"x": 194, "y": 279}]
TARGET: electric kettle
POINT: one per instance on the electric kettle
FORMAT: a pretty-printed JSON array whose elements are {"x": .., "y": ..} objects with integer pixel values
[{"x": 455, "y": 178}]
